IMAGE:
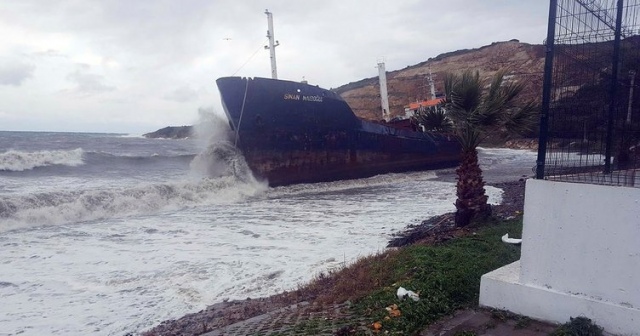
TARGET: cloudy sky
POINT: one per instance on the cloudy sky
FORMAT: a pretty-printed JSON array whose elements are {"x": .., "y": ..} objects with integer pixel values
[{"x": 133, "y": 66}]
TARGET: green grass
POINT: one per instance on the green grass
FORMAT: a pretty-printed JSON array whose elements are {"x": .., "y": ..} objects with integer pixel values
[
  {"x": 446, "y": 275},
  {"x": 579, "y": 326}
]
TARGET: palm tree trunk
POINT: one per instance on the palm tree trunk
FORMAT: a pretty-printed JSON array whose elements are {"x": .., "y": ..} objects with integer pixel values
[{"x": 472, "y": 200}]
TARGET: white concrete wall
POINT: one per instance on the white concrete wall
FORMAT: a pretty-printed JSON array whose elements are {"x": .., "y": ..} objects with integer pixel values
[
  {"x": 582, "y": 240},
  {"x": 501, "y": 289},
  {"x": 580, "y": 257}
]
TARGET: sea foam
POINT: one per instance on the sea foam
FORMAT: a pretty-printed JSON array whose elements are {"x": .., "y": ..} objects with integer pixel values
[
  {"x": 13, "y": 160},
  {"x": 73, "y": 206}
]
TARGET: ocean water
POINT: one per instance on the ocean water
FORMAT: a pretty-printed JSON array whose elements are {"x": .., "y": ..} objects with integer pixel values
[{"x": 108, "y": 234}]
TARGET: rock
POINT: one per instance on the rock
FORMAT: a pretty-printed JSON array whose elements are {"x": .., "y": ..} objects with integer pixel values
[{"x": 171, "y": 132}]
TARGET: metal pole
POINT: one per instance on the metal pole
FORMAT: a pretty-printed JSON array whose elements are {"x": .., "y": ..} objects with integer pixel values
[
  {"x": 272, "y": 45},
  {"x": 546, "y": 90},
  {"x": 632, "y": 74},
  {"x": 613, "y": 89}
]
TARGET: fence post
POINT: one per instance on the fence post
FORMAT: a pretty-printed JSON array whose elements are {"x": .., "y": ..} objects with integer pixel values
[
  {"x": 614, "y": 88},
  {"x": 546, "y": 89}
]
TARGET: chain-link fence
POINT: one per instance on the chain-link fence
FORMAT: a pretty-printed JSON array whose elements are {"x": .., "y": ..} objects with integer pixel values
[{"x": 590, "y": 121}]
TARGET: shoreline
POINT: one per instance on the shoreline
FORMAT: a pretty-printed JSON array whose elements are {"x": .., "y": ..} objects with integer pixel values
[
  {"x": 512, "y": 206},
  {"x": 434, "y": 229}
]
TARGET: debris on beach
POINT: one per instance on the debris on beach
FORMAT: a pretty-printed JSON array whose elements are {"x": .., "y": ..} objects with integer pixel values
[
  {"x": 393, "y": 310},
  {"x": 402, "y": 293},
  {"x": 508, "y": 240}
]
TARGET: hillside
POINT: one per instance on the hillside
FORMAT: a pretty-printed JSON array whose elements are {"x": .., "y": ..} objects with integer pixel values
[{"x": 525, "y": 62}]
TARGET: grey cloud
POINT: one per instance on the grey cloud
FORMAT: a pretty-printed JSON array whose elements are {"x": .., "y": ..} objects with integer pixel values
[
  {"x": 154, "y": 33},
  {"x": 50, "y": 53},
  {"x": 88, "y": 83},
  {"x": 182, "y": 94},
  {"x": 14, "y": 73}
]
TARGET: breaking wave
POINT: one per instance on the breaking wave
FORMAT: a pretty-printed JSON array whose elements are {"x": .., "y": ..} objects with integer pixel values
[
  {"x": 222, "y": 158},
  {"x": 13, "y": 160},
  {"x": 64, "y": 207},
  {"x": 351, "y": 186},
  {"x": 224, "y": 177},
  {"x": 103, "y": 157}
]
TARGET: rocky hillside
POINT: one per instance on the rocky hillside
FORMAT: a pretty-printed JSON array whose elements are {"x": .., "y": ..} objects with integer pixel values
[{"x": 523, "y": 62}]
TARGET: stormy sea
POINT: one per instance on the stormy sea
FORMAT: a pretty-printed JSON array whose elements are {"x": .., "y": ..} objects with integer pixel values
[{"x": 109, "y": 234}]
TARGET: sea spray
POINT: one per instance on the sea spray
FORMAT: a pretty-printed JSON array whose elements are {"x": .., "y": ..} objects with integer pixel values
[
  {"x": 219, "y": 157},
  {"x": 211, "y": 127}
]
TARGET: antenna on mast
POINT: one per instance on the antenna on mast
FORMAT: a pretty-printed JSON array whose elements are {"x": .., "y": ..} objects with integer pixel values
[{"x": 272, "y": 45}]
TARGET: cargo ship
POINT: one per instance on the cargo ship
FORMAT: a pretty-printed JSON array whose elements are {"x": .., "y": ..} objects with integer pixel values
[{"x": 292, "y": 132}]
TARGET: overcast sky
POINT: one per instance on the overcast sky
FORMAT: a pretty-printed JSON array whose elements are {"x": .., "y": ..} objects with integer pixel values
[{"x": 133, "y": 66}]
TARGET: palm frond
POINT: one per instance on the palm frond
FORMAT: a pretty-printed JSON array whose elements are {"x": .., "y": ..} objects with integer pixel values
[
  {"x": 522, "y": 120},
  {"x": 496, "y": 84},
  {"x": 434, "y": 118},
  {"x": 468, "y": 94},
  {"x": 475, "y": 113},
  {"x": 469, "y": 138}
]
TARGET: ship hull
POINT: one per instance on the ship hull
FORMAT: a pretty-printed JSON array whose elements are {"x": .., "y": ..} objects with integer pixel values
[{"x": 292, "y": 132}]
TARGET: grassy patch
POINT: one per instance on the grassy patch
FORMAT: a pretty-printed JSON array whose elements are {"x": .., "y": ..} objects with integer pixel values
[
  {"x": 446, "y": 275},
  {"x": 579, "y": 326}
]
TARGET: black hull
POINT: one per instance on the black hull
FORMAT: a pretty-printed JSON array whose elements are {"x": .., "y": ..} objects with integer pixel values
[{"x": 292, "y": 132}]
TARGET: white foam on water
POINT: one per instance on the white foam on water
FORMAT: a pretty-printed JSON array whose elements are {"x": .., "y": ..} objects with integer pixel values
[
  {"x": 114, "y": 276},
  {"x": 119, "y": 259},
  {"x": 72, "y": 206},
  {"x": 13, "y": 160},
  {"x": 219, "y": 175},
  {"x": 574, "y": 159}
]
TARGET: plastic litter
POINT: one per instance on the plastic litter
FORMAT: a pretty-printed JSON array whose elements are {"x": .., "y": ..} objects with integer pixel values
[{"x": 508, "y": 240}]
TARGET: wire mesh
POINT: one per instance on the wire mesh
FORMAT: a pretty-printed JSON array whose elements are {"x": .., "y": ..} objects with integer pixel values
[{"x": 593, "y": 119}]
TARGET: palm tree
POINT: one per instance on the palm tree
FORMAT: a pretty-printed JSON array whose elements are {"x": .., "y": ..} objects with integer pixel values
[{"x": 477, "y": 113}]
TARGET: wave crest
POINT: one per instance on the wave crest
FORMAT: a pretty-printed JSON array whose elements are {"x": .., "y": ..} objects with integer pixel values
[
  {"x": 13, "y": 160},
  {"x": 57, "y": 208}
]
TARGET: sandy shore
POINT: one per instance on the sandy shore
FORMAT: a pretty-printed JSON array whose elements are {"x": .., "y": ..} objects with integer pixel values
[{"x": 226, "y": 313}]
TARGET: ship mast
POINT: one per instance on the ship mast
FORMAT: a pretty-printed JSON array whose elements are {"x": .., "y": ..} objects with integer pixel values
[
  {"x": 384, "y": 96},
  {"x": 272, "y": 45}
]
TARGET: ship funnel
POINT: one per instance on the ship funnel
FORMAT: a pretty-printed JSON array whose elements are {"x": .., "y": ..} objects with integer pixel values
[{"x": 384, "y": 96}]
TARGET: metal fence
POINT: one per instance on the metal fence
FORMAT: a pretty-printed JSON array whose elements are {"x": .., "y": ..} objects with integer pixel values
[{"x": 590, "y": 120}]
